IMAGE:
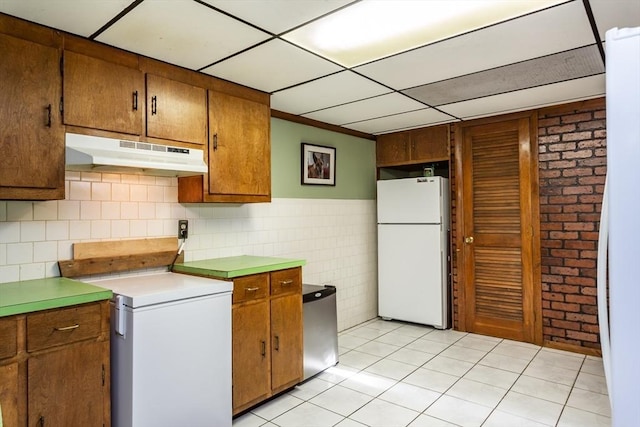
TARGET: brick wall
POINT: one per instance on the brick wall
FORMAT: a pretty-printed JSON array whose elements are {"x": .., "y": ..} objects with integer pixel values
[
  {"x": 572, "y": 161},
  {"x": 572, "y": 168}
]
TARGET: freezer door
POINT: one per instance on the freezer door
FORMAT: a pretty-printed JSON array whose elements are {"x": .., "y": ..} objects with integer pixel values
[
  {"x": 412, "y": 283},
  {"x": 410, "y": 201}
]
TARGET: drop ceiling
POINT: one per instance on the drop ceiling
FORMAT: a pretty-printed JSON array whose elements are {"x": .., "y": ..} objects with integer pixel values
[{"x": 552, "y": 55}]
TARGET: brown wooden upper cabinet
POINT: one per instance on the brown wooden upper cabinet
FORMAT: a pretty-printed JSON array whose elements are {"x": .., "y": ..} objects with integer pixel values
[
  {"x": 176, "y": 111},
  {"x": 239, "y": 152},
  {"x": 31, "y": 132},
  {"x": 430, "y": 144},
  {"x": 103, "y": 95}
]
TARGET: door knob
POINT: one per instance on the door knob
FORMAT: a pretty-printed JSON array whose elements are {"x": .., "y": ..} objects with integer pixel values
[{"x": 468, "y": 240}]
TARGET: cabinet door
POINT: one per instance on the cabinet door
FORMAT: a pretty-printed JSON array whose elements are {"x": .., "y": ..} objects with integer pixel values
[
  {"x": 286, "y": 342},
  {"x": 392, "y": 148},
  {"x": 430, "y": 144},
  {"x": 176, "y": 111},
  {"x": 251, "y": 357},
  {"x": 102, "y": 95},
  {"x": 9, "y": 394},
  {"x": 66, "y": 386},
  {"x": 239, "y": 147},
  {"x": 31, "y": 135}
]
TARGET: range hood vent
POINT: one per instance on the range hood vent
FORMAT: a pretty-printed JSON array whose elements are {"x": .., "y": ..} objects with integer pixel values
[{"x": 98, "y": 154}]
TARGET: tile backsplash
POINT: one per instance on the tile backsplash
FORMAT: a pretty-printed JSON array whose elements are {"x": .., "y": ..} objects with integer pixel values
[{"x": 336, "y": 237}]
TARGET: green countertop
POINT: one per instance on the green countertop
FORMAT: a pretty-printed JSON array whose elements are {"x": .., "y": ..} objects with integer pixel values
[
  {"x": 42, "y": 294},
  {"x": 228, "y": 268}
]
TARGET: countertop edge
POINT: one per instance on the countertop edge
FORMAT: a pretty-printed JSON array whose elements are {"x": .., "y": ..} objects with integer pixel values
[
  {"x": 48, "y": 304},
  {"x": 278, "y": 265}
]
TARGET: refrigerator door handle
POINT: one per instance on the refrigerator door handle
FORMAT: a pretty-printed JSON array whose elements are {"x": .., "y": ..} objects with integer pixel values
[
  {"x": 601, "y": 288},
  {"x": 120, "y": 325}
]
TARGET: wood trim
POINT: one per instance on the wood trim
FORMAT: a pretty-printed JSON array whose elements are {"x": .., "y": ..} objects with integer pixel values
[
  {"x": 573, "y": 348},
  {"x": 318, "y": 124},
  {"x": 460, "y": 230},
  {"x": 87, "y": 250}
]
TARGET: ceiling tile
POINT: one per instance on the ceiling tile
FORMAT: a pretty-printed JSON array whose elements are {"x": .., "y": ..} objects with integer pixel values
[
  {"x": 558, "y": 93},
  {"x": 413, "y": 119},
  {"x": 73, "y": 16},
  {"x": 273, "y": 65},
  {"x": 277, "y": 16},
  {"x": 379, "y": 106},
  {"x": 552, "y": 30},
  {"x": 180, "y": 32},
  {"x": 615, "y": 13},
  {"x": 339, "y": 88},
  {"x": 569, "y": 65}
]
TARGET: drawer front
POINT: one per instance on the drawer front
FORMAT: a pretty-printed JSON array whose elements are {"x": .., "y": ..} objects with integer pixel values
[
  {"x": 63, "y": 326},
  {"x": 8, "y": 337},
  {"x": 252, "y": 287},
  {"x": 286, "y": 281}
]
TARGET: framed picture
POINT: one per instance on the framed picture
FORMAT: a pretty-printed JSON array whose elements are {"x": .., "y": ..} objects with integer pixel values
[{"x": 318, "y": 164}]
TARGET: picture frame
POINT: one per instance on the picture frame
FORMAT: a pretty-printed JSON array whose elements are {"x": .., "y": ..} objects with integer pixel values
[{"x": 318, "y": 164}]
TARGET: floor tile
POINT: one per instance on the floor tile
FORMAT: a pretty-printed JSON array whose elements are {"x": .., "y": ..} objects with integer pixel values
[
  {"x": 591, "y": 382},
  {"x": 337, "y": 374},
  {"x": 341, "y": 400},
  {"x": 249, "y": 420},
  {"x": 492, "y": 376},
  {"x": 593, "y": 366},
  {"x": 589, "y": 401},
  {"x": 384, "y": 325},
  {"x": 464, "y": 353},
  {"x": 350, "y": 423},
  {"x": 427, "y": 346},
  {"x": 367, "y": 333},
  {"x": 506, "y": 363},
  {"x": 351, "y": 341},
  {"x": 432, "y": 380},
  {"x": 311, "y": 388},
  {"x": 410, "y": 396},
  {"x": 357, "y": 359},
  {"x": 413, "y": 330},
  {"x": 532, "y": 408},
  {"x": 367, "y": 383},
  {"x": 572, "y": 417},
  {"x": 542, "y": 389},
  {"x": 515, "y": 351},
  {"x": 559, "y": 359},
  {"x": 448, "y": 365},
  {"x": 429, "y": 421},
  {"x": 379, "y": 413},
  {"x": 411, "y": 357},
  {"x": 395, "y": 338},
  {"x": 458, "y": 411},
  {"x": 391, "y": 369},
  {"x": 503, "y": 419},
  {"x": 448, "y": 336},
  {"x": 557, "y": 374},
  {"x": 377, "y": 348},
  {"x": 308, "y": 415},
  {"x": 277, "y": 406},
  {"x": 480, "y": 393},
  {"x": 477, "y": 343}
]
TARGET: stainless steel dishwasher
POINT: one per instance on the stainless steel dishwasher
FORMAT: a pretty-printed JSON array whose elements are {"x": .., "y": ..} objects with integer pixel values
[{"x": 320, "y": 328}]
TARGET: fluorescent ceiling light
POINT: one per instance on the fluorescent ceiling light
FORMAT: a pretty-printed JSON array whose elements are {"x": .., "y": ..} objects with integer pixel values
[{"x": 373, "y": 29}]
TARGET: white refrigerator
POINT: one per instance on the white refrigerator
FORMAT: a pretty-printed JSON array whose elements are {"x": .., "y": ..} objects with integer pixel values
[
  {"x": 413, "y": 227},
  {"x": 619, "y": 230}
]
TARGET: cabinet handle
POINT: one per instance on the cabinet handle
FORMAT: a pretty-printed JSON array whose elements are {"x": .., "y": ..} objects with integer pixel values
[
  {"x": 263, "y": 346},
  {"x": 277, "y": 346},
  {"x": 154, "y": 105},
  {"x": 49, "y": 116},
  {"x": 41, "y": 421},
  {"x": 135, "y": 100},
  {"x": 251, "y": 289},
  {"x": 67, "y": 328},
  {"x": 215, "y": 141},
  {"x": 286, "y": 282}
]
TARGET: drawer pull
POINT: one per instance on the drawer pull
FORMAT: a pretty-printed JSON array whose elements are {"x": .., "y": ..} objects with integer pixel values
[
  {"x": 277, "y": 343},
  {"x": 286, "y": 282},
  {"x": 67, "y": 328},
  {"x": 263, "y": 349},
  {"x": 251, "y": 289}
]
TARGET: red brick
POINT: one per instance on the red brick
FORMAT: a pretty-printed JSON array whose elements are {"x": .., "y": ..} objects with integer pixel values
[
  {"x": 589, "y": 254},
  {"x": 565, "y": 146},
  {"x": 593, "y": 161},
  {"x": 552, "y": 261},
  {"x": 577, "y": 136},
  {"x": 589, "y": 235},
  {"x": 549, "y": 121},
  {"x": 550, "y": 191},
  {"x": 580, "y": 117},
  {"x": 590, "y": 290},
  {"x": 578, "y": 208},
  {"x": 565, "y": 289},
  {"x": 580, "y": 244},
  {"x": 564, "y": 235},
  {"x": 551, "y": 243},
  {"x": 551, "y": 226},
  {"x": 561, "y": 129},
  {"x": 564, "y": 306},
  {"x": 565, "y": 253},
  {"x": 545, "y": 157},
  {"x": 590, "y": 180},
  {"x": 590, "y": 309},
  {"x": 589, "y": 217},
  {"x": 551, "y": 173},
  {"x": 548, "y": 139},
  {"x": 588, "y": 272},
  {"x": 591, "y": 198},
  {"x": 564, "y": 164},
  {"x": 583, "y": 189},
  {"x": 583, "y": 281},
  {"x": 552, "y": 278},
  {"x": 594, "y": 328},
  {"x": 593, "y": 124},
  {"x": 565, "y": 324},
  {"x": 580, "y": 263},
  {"x": 556, "y": 332},
  {"x": 581, "y": 299},
  {"x": 559, "y": 200},
  {"x": 579, "y": 226},
  {"x": 583, "y": 318},
  {"x": 599, "y": 114},
  {"x": 553, "y": 314},
  {"x": 582, "y": 336},
  {"x": 563, "y": 181},
  {"x": 565, "y": 271},
  {"x": 580, "y": 154},
  {"x": 551, "y": 296},
  {"x": 550, "y": 209},
  {"x": 600, "y": 133},
  {"x": 577, "y": 172},
  {"x": 599, "y": 152}
]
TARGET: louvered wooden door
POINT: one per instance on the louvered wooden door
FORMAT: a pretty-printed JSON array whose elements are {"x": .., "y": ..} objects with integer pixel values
[{"x": 498, "y": 239}]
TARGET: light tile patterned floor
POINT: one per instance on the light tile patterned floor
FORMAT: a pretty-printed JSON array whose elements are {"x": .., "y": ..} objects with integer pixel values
[{"x": 397, "y": 374}]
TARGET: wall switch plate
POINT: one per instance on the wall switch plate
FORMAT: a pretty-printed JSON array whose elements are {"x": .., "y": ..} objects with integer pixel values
[{"x": 183, "y": 228}]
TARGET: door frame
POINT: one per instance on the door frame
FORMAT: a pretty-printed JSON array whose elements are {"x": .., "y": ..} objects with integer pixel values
[{"x": 534, "y": 327}]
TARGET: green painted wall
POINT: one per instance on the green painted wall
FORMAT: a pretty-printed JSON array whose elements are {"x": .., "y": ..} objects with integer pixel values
[{"x": 355, "y": 163}]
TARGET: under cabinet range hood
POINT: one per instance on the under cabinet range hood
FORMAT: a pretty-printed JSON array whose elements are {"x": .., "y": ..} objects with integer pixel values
[{"x": 99, "y": 154}]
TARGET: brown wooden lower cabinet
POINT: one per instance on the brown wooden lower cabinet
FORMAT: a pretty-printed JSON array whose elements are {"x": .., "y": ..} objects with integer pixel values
[
  {"x": 267, "y": 335},
  {"x": 56, "y": 370}
]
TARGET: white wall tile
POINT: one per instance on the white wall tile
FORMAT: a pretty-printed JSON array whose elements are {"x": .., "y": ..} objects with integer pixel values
[
  {"x": 90, "y": 210},
  {"x": 9, "y": 232},
  {"x": 19, "y": 253},
  {"x": 101, "y": 229},
  {"x": 120, "y": 229},
  {"x": 19, "y": 211},
  {"x": 155, "y": 193},
  {"x": 138, "y": 193},
  {"x": 43, "y": 211},
  {"x": 100, "y": 191},
  {"x": 45, "y": 251},
  {"x": 120, "y": 192},
  {"x": 3, "y": 210},
  {"x": 129, "y": 210},
  {"x": 32, "y": 231},
  {"x": 90, "y": 176},
  {"x": 146, "y": 210},
  {"x": 79, "y": 190},
  {"x": 110, "y": 210},
  {"x": 79, "y": 230},
  {"x": 110, "y": 177},
  {"x": 68, "y": 209},
  {"x": 3, "y": 253},
  {"x": 57, "y": 230}
]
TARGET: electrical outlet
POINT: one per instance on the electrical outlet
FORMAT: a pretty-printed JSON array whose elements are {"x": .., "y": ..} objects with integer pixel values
[{"x": 183, "y": 228}]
